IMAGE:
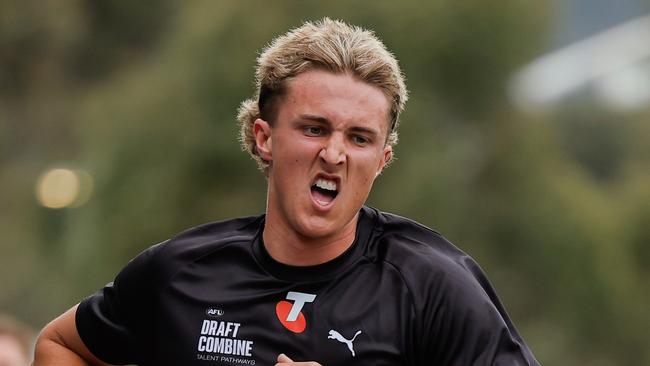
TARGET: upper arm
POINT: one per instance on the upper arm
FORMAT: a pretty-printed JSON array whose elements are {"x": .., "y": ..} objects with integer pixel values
[{"x": 59, "y": 343}]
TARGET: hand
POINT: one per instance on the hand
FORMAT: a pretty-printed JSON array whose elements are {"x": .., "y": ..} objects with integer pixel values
[{"x": 283, "y": 360}]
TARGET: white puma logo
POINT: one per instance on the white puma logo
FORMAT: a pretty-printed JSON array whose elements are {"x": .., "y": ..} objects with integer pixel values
[{"x": 336, "y": 335}]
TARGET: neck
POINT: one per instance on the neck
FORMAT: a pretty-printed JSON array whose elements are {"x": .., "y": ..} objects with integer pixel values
[{"x": 290, "y": 247}]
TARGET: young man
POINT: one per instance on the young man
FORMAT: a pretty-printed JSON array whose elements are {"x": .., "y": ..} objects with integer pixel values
[{"x": 319, "y": 279}]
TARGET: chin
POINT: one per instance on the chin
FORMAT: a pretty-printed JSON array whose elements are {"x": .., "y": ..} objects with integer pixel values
[{"x": 318, "y": 229}]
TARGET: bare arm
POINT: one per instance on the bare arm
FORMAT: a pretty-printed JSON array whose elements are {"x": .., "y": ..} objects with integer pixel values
[{"x": 59, "y": 344}]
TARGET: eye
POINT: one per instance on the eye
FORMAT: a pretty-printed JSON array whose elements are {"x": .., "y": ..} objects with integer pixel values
[
  {"x": 313, "y": 131},
  {"x": 360, "y": 140}
]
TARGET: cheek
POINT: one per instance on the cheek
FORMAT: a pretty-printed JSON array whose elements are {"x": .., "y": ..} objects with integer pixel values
[
  {"x": 292, "y": 155},
  {"x": 367, "y": 172},
  {"x": 297, "y": 149},
  {"x": 371, "y": 164}
]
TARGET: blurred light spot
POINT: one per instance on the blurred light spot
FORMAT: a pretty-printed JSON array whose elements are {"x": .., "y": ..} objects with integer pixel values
[
  {"x": 627, "y": 90},
  {"x": 85, "y": 187},
  {"x": 551, "y": 78},
  {"x": 60, "y": 188}
]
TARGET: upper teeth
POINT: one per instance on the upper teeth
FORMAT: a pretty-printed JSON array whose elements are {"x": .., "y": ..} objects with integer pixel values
[{"x": 326, "y": 184}]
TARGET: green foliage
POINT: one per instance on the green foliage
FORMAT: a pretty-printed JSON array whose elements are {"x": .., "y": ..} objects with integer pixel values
[{"x": 143, "y": 95}]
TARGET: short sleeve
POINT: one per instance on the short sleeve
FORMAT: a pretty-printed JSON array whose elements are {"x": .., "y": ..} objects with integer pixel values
[
  {"x": 110, "y": 321},
  {"x": 464, "y": 323}
]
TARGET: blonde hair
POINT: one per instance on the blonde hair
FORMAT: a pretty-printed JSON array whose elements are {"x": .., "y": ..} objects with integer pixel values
[{"x": 327, "y": 44}]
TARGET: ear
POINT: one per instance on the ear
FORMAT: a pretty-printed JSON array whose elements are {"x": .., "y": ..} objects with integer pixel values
[
  {"x": 388, "y": 155},
  {"x": 262, "y": 133}
]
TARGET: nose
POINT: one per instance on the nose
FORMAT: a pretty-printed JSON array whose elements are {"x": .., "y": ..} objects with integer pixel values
[{"x": 333, "y": 153}]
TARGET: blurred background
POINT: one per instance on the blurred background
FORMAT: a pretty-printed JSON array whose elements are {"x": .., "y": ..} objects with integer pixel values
[{"x": 526, "y": 142}]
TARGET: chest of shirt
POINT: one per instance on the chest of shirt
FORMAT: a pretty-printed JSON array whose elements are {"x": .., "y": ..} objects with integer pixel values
[{"x": 248, "y": 318}]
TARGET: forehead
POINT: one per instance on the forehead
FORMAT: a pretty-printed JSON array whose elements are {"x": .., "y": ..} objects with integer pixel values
[{"x": 338, "y": 97}]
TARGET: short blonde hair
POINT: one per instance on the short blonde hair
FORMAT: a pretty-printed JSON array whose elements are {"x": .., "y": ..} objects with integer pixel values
[{"x": 327, "y": 44}]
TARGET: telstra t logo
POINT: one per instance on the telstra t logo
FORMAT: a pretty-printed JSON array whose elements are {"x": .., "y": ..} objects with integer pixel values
[{"x": 290, "y": 315}]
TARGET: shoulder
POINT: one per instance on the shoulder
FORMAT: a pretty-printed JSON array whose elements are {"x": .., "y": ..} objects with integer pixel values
[
  {"x": 406, "y": 242},
  {"x": 429, "y": 264},
  {"x": 164, "y": 259},
  {"x": 212, "y": 236}
]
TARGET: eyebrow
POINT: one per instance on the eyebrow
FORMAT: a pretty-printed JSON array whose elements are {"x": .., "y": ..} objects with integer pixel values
[{"x": 325, "y": 121}]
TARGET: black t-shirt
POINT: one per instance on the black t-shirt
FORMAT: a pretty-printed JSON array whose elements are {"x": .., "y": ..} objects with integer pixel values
[{"x": 400, "y": 295}]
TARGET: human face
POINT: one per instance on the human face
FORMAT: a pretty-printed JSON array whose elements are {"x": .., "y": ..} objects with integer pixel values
[{"x": 325, "y": 149}]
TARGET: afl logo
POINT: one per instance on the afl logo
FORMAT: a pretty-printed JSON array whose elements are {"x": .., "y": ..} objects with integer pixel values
[{"x": 213, "y": 312}]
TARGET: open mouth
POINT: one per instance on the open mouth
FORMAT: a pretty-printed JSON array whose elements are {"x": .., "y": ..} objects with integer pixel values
[{"x": 324, "y": 191}]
